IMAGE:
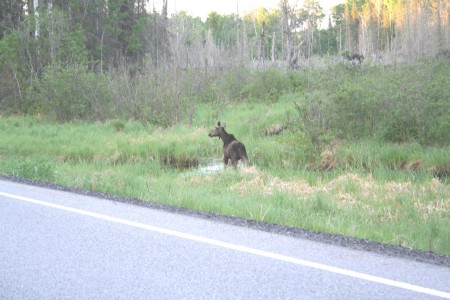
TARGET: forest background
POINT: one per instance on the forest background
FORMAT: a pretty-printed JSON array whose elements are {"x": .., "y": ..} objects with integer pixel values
[{"x": 111, "y": 47}]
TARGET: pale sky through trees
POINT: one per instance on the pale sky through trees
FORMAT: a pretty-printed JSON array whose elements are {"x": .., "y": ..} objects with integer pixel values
[{"x": 201, "y": 8}]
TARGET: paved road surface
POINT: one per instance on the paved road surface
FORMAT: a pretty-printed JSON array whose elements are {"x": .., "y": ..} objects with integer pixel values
[{"x": 60, "y": 245}]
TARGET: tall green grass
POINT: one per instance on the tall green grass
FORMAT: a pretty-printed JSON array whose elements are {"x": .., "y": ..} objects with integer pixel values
[{"x": 375, "y": 190}]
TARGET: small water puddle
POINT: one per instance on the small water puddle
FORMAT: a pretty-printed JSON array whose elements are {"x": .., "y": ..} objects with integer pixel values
[
  {"x": 206, "y": 166},
  {"x": 210, "y": 166}
]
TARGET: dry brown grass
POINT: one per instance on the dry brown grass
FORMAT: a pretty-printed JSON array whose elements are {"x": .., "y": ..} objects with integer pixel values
[{"x": 350, "y": 190}]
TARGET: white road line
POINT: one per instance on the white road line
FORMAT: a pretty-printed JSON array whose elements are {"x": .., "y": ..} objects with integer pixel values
[{"x": 288, "y": 259}]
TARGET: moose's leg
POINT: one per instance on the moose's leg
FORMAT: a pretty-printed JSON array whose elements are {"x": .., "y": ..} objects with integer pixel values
[
  {"x": 234, "y": 155},
  {"x": 243, "y": 155},
  {"x": 244, "y": 161},
  {"x": 234, "y": 163},
  {"x": 234, "y": 158},
  {"x": 225, "y": 161}
]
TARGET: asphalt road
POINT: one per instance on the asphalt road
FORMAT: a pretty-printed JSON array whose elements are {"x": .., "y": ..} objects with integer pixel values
[{"x": 60, "y": 245}]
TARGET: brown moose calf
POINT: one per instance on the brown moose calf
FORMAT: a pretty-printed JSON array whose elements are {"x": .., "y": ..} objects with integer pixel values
[{"x": 232, "y": 148}]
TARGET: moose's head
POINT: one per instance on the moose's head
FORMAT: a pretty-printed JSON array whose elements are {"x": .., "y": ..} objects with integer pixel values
[{"x": 218, "y": 130}]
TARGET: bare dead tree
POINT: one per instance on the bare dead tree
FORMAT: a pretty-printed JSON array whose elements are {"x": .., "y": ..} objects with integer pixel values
[
  {"x": 164, "y": 10},
  {"x": 287, "y": 12},
  {"x": 273, "y": 48},
  {"x": 292, "y": 19},
  {"x": 262, "y": 44}
]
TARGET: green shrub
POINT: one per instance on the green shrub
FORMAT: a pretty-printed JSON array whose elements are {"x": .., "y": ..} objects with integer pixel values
[
  {"x": 118, "y": 124},
  {"x": 266, "y": 85},
  {"x": 68, "y": 93},
  {"x": 407, "y": 103}
]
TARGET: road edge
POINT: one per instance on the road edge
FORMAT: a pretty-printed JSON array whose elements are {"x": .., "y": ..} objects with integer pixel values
[{"x": 332, "y": 239}]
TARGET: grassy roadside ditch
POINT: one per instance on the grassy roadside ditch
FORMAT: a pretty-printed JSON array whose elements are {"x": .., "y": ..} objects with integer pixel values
[{"x": 396, "y": 193}]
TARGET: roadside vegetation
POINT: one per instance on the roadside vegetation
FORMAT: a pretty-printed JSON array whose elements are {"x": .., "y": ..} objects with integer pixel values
[{"x": 362, "y": 151}]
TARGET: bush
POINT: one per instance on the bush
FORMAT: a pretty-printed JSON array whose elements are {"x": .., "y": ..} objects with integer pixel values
[
  {"x": 118, "y": 125},
  {"x": 356, "y": 110},
  {"x": 266, "y": 85},
  {"x": 68, "y": 93},
  {"x": 164, "y": 98},
  {"x": 244, "y": 84},
  {"x": 419, "y": 108},
  {"x": 407, "y": 103}
]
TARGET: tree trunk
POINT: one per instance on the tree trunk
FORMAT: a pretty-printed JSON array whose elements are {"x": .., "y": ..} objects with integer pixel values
[
  {"x": 273, "y": 47},
  {"x": 51, "y": 30},
  {"x": 262, "y": 42},
  {"x": 164, "y": 10},
  {"x": 36, "y": 16},
  {"x": 439, "y": 36},
  {"x": 290, "y": 53}
]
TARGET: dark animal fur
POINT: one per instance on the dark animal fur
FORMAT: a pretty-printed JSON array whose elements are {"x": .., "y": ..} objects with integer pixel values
[
  {"x": 232, "y": 148},
  {"x": 355, "y": 58}
]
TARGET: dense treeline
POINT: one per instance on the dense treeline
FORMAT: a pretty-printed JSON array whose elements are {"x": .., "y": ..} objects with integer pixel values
[
  {"x": 103, "y": 59},
  {"x": 130, "y": 34}
]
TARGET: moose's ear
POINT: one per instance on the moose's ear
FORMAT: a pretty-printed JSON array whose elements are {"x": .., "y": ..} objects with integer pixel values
[
  {"x": 218, "y": 123},
  {"x": 224, "y": 125}
]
